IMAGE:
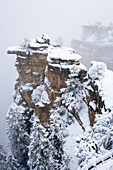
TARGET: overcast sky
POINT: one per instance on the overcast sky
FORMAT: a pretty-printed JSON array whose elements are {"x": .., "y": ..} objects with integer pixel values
[{"x": 30, "y": 18}]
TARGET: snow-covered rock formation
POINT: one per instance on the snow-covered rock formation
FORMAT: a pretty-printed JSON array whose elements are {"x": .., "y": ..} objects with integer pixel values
[
  {"x": 96, "y": 43},
  {"x": 54, "y": 101},
  {"x": 94, "y": 147}
]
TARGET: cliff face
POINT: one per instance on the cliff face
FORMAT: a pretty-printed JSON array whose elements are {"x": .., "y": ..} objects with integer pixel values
[{"x": 45, "y": 68}]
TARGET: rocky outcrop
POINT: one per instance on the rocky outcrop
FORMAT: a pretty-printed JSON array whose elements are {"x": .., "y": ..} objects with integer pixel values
[{"x": 40, "y": 64}]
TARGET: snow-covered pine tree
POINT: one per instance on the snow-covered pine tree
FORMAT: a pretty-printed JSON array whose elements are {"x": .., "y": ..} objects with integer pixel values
[
  {"x": 103, "y": 131},
  {"x": 11, "y": 163},
  {"x": 59, "y": 158},
  {"x": 3, "y": 165},
  {"x": 18, "y": 133},
  {"x": 46, "y": 147},
  {"x": 96, "y": 143},
  {"x": 39, "y": 149},
  {"x": 7, "y": 162},
  {"x": 86, "y": 147},
  {"x": 74, "y": 95}
]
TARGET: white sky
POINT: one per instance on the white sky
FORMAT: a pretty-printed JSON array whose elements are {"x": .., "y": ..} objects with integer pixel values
[{"x": 30, "y": 18}]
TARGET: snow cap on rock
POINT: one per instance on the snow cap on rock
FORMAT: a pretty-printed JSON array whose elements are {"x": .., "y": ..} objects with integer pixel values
[{"x": 97, "y": 70}]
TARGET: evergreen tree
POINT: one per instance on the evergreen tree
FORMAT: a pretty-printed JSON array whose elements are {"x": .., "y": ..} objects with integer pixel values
[
  {"x": 7, "y": 163},
  {"x": 12, "y": 164},
  {"x": 39, "y": 147},
  {"x": 86, "y": 147},
  {"x": 2, "y": 159},
  {"x": 74, "y": 95},
  {"x": 46, "y": 147},
  {"x": 96, "y": 142},
  {"x": 56, "y": 140},
  {"x": 18, "y": 133}
]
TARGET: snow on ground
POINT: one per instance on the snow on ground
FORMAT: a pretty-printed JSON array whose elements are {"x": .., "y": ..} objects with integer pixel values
[
  {"x": 107, "y": 89},
  {"x": 70, "y": 130},
  {"x": 84, "y": 116},
  {"x": 106, "y": 165},
  {"x": 73, "y": 130}
]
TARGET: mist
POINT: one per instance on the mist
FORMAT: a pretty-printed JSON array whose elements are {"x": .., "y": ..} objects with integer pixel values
[{"x": 30, "y": 18}]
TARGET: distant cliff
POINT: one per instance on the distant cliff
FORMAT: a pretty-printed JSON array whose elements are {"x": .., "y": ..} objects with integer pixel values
[
  {"x": 96, "y": 43},
  {"x": 52, "y": 85}
]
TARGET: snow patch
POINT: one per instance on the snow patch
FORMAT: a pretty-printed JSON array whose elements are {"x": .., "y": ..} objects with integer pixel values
[
  {"x": 35, "y": 73},
  {"x": 37, "y": 45},
  {"x": 97, "y": 70},
  {"x": 93, "y": 105},
  {"x": 27, "y": 71},
  {"x": 40, "y": 96},
  {"x": 26, "y": 87},
  {"x": 17, "y": 97},
  {"x": 83, "y": 114},
  {"x": 62, "y": 54}
]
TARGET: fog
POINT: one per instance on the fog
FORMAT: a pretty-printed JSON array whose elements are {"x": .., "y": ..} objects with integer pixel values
[{"x": 30, "y": 18}]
